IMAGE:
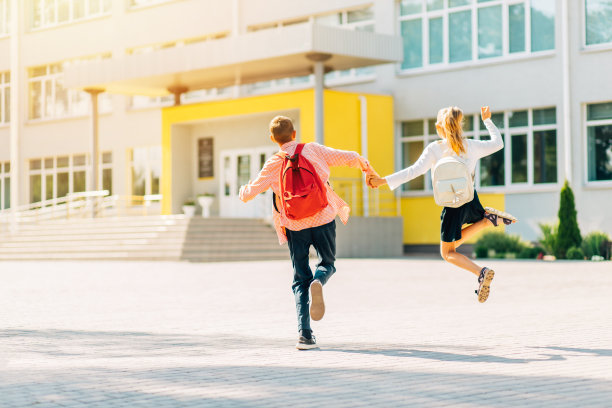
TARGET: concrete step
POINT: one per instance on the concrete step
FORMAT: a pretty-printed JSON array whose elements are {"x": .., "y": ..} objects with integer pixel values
[{"x": 144, "y": 238}]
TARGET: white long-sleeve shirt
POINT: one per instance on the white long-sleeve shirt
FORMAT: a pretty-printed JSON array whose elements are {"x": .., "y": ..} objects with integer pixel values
[{"x": 475, "y": 149}]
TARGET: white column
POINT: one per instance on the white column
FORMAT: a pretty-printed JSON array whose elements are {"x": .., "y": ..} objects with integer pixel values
[
  {"x": 567, "y": 108},
  {"x": 319, "y": 72},
  {"x": 15, "y": 21},
  {"x": 94, "y": 150}
]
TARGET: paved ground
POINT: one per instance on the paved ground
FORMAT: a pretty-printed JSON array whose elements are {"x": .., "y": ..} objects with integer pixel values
[{"x": 396, "y": 333}]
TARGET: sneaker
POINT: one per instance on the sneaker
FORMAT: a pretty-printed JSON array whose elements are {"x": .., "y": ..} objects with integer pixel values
[
  {"x": 317, "y": 304},
  {"x": 494, "y": 215},
  {"x": 306, "y": 343},
  {"x": 484, "y": 284}
]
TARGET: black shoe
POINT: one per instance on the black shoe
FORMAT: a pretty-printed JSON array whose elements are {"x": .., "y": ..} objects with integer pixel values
[{"x": 306, "y": 341}]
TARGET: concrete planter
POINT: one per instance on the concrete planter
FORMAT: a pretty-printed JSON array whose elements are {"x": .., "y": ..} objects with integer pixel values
[
  {"x": 205, "y": 202},
  {"x": 189, "y": 210}
]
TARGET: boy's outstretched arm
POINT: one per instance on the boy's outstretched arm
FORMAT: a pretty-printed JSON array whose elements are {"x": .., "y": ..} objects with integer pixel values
[
  {"x": 264, "y": 180},
  {"x": 335, "y": 157}
]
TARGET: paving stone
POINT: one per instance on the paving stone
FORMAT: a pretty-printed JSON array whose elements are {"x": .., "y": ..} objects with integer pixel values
[{"x": 401, "y": 332}]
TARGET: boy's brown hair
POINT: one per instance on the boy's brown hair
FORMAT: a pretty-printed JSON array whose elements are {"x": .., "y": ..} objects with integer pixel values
[{"x": 281, "y": 129}]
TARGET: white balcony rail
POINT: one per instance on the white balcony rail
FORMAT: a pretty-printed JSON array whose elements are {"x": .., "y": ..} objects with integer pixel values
[{"x": 80, "y": 205}]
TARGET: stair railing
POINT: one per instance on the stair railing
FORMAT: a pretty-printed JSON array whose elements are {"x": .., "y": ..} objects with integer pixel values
[{"x": 79, "y": 205}]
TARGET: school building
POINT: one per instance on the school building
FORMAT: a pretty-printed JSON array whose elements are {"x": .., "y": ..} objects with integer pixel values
[{"x": 171, "y": 99}]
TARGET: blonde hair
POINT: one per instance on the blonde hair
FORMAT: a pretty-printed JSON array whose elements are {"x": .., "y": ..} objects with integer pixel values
[
  {"x": 451, "y": 120},
  {"x": 281, "y": 128}
]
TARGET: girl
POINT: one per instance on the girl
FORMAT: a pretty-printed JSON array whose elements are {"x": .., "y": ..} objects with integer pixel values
[{"x": 449, "y": 128}]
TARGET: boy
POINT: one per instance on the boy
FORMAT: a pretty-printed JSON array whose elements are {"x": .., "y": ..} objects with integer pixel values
[{"x": 318, "y": 230}]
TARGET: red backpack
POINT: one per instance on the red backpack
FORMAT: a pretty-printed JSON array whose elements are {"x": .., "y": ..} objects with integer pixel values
[{"x": 302, "y": 192}]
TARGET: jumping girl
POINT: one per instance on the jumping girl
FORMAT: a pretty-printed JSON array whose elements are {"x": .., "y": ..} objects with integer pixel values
[{"x": 449, "y": 127}]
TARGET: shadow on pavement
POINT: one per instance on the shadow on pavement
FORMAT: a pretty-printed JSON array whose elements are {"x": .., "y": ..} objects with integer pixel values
[{"x": 102, "y": 368}]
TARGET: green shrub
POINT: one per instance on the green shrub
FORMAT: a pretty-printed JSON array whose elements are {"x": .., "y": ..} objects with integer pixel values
[
  {"x": 548, "y": 240},
  {"x": 569, "y": 233},
  {"x": 595, "y": 243},
  {"x": 499, "y": 242},
  {"x": 530, "y": 252},
  {"x": 575, "y": 253},
  {"x": 481, "y": 252}
]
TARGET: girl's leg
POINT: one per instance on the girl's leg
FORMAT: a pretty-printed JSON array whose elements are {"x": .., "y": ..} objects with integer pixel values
[
  {"x": 468, "y": 231},
  {"x": 447, "y": 250}
]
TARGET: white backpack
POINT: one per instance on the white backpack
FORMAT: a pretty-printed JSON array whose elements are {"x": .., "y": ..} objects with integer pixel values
[{"x": 452, "y": 182}]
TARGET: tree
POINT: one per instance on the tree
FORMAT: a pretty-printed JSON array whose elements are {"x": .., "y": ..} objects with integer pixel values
[{"x": 568, "y": 234}]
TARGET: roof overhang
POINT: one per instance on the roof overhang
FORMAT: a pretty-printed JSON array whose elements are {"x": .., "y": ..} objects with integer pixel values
[{"x": 253, "y": 57}]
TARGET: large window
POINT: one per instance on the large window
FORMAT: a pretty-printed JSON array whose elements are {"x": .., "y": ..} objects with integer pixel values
[
  {"x": 598, "y": 25},
  {"x": 441, "y": 32},
  {"x": 49, "y": 99},
  {"x": 529, "y": 156},
  {"x": 4, "y": 17},
  {"x": 599, "y": 142},
  {"x": 5, "y": 97},
  {"x": 49, "y": 13},
  {"x": 55, "y": 177},
  {"x": 145, "y": 164},
  {"x": 5, "y": 185}
]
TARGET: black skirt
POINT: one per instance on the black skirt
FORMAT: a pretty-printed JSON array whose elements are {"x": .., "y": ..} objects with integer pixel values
[{"x": 454, "y": 218}]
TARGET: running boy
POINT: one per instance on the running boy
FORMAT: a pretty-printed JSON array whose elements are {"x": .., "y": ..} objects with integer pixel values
[{"x": 318, "y": 230}]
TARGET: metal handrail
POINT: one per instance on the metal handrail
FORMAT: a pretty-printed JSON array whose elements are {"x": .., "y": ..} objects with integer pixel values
[
  {"x": 79, "y": 205},
  {"x": 380, "y": 202}
]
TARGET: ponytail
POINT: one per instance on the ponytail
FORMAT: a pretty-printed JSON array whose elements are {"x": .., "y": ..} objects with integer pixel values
[{"x": 452, "y": 123}]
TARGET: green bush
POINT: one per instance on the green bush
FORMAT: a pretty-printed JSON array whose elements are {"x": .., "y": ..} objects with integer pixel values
[
  {"x": 569, "y": 233},
  {"x": 530, "y": 252},
  {"x": 575, "y": 253},
  {"x": 548, "y": 240},
  {"x": 595, "y": 243},
  {"x": 500, "y": 242},
  {"x": 481, "y": 252}
]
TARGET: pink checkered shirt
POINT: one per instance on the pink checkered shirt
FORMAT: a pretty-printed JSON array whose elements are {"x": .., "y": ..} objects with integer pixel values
[{"x": 322, "y": 158}]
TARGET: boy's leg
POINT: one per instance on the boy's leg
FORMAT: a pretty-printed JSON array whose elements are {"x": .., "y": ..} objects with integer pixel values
[
  {"x": 324, "y": 242},
  {"x": 299, "y": 246}
]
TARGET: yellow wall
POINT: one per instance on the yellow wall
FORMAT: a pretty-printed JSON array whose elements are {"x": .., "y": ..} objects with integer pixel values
[
  {"x": 422, "y": 217},
  {"x": 302, "y": 100}
]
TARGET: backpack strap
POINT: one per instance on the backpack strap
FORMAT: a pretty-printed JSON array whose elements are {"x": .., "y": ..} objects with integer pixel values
[{"x": 299, "y": 148}]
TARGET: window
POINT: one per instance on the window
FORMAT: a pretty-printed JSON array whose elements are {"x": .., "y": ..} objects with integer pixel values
[
  {"x": 599, "y": 142},
  {"x": 145, "y": 163},
  {"x": 5, "y": 97},
  {"x": 5, "y": 17},
  {"x": 529, "y": 156},
  {"x": 442, "y": 32},
  {"x": 106, "y": 167},
  {"x": 55, "y": 177},
  {"x": 5, "y": 185},
  {"x": 48, "y": 99},
  {"x": 598, "y": 15},
  {"x": 50, "y": 13},
  {"x": 144, "y": 3}
]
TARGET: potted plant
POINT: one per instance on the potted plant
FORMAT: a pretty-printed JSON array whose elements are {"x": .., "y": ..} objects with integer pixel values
[
  {"x": 189, "y": 208},
  {"x": 205, "y": 200}
]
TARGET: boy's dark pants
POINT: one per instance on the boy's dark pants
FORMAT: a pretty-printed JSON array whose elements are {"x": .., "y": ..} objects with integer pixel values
[{"x": 323, "y": 238}]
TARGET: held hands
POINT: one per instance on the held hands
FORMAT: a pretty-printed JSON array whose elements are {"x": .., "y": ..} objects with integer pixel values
[
  {"x": 485, "y": 113},
  {"x": 373, "y": 180}
]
